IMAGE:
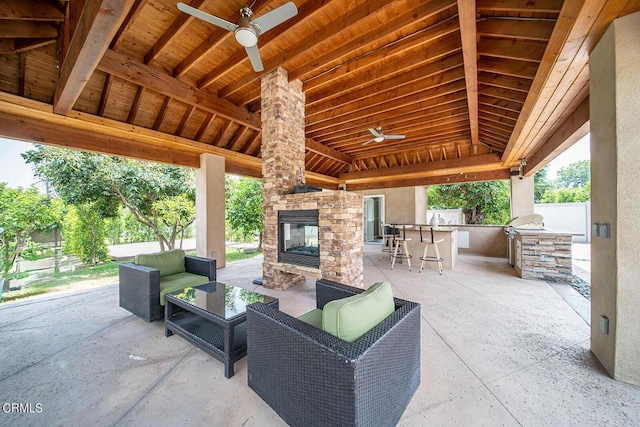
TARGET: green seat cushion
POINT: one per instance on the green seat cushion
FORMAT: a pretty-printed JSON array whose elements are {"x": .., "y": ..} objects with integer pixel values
[
  {"x": 352, "y": 317},
  {"x": 313, "y": 318},
  {"x": 177, "y": 282},
  {"x": 168, "y": 262}
]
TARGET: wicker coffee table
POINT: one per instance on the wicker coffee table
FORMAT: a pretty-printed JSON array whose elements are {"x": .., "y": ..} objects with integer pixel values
[{"x": 213, "y": 318}]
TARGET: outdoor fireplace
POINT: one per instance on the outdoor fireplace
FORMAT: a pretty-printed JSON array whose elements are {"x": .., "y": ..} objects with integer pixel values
[{"x": 298, "y": 241}]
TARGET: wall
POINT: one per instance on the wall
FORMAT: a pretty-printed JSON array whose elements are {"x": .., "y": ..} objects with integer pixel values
[
  {"x": 485, "y": 240},
  {"x": 406, "y": 205},
  {"x": 574, "y": 217},
  {"x": 614, "y": 67}
]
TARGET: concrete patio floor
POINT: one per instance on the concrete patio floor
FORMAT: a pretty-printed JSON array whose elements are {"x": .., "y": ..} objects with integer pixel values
[{"x": 496, "y": 350}]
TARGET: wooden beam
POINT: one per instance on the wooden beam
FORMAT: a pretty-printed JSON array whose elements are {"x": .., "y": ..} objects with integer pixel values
[
  {"x": 133, "y": 71},
  {"x": 516, "y": 29},
  {"x": 482, "y": 162},
  {"x": 35, "y": 121},
  {"x": 27, "y": 30},
  {"x": 32, "y": 10},
  {"x": 540, "y": 6},
  {"x": 98, "y": 24},
  {"x": 574, "y": 128},
  {"x": 361, "y": 109},
  {"x": 407, "y": 116},
  {"x": 512, "y": 49},
  {"x": 363, "y": 85},
  {"x": 579, "y": 27},
  {"x": 55, "y": 133},
  {"x": 183, "y": 121},
  {"x": 421, "y": 13},
  {"x": 468, "y": 34},
  {"x": 171, "y": 33},
  {"x": 508, "y": 67},
  {"x": 133, "y": 112},
  {"x": 203, "y": 126},
  {"x": 105, "y": 95},
  {"x": 505, "y": 82},
  {"x": 383, "y": 93},
  {"x": 30, "y": 44},
  {"x": 161, "y": 113},
  {"x": 492, "y": 175},
  {"x": 128, "y": 21},
  {"x": 315, "y": 147}
]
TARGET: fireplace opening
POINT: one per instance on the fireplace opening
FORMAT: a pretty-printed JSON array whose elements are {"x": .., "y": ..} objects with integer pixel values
[{"x": 298, "y": 238}]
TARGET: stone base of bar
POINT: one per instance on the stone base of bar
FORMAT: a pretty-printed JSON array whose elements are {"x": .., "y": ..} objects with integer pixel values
[{"x": 545, "y": 255}]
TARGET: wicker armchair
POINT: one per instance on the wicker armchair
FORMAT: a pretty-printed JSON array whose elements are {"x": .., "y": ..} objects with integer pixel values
[
  {"x": 140, "y": 285},
  {"x": 310, "y": 377}
]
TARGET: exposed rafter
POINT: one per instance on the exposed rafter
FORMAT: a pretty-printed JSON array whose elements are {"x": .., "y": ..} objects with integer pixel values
[{"x": 90, "y": 41}]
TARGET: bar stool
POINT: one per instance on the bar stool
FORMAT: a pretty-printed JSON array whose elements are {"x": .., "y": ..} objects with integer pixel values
[
  {"x": 388, "y": 236},
  {"x": 425, "y": 255},
  {"x": 401, "y": 247}
]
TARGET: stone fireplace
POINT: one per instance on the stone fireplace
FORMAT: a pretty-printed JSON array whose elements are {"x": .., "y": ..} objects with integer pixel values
[{"x": 339, "y": 239}]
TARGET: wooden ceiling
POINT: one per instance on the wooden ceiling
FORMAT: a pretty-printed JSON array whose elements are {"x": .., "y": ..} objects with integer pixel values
[{"x": 474, "y": 86}]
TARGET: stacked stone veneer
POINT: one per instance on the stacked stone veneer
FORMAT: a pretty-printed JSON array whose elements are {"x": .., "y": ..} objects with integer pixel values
[
  {"x": 340, "y": 219},
  {"x": 546, "y": 256}
]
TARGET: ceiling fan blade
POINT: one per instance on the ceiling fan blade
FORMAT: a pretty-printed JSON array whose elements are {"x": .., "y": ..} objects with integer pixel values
[
  {"x": 275, "y": 17},
  {"x": 375, "y": 133},
  {"x": 394, "y": 136},
  {"x": 226, "y": 25},
  {"x": 254, "y": 56}
]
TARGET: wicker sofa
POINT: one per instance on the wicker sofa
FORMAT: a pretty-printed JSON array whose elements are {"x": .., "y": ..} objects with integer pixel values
[
  {"x": 310, "y": 377},
  {"x": 144, "y": 282}
]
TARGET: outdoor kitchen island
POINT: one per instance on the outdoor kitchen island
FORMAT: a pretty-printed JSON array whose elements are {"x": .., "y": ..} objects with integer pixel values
[{"x": 543, "y": 254}]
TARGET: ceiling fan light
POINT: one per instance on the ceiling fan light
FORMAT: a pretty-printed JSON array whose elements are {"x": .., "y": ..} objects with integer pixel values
[
  {"x": 246, "y": 37},
  {"x": 378, "y": 138}
]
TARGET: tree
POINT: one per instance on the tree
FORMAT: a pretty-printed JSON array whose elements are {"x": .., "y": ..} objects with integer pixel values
[
  {"x": 568, "y": 195},
  {"x": 84, "y": 234},
  {"x": 244, "y": 206},
  {"x": 541, "y": 184},
  {"x": 107, "y": 182},
  {"x": 481, "y": 202},
  {"x": 21, "y": 213},
  {"x": 574, "y": 175}
]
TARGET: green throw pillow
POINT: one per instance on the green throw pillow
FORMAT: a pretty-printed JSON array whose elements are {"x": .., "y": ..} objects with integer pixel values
[
  {"x": 352, "y": 317},
  {"x": 168, "y": 262}
]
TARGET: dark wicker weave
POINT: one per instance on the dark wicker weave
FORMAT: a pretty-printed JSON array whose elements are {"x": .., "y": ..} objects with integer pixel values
[
  {"x": 140, "y": 286},
  {"x": 310, "y": 377}
]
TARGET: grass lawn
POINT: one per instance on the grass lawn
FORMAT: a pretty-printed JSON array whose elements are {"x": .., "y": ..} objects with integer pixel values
[
  {"x": 67, "y": 280},
  {"x": 64, "y": 280}
]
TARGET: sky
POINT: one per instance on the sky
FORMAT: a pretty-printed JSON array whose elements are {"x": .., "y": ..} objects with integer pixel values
[
  {"x": 13, "y": 170},
  {"x": 16, "y": 173}
]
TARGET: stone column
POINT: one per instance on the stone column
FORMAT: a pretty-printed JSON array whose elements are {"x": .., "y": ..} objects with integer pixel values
[
  {"x": 283, "y": 143},
  {"x": 614, "y": 67},
  {"x": 522, "y": 195},
  {"x": 210, "y": 226}
]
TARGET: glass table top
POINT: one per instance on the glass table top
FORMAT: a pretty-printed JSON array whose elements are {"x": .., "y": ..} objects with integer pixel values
[{"x": 221, "y": 299}]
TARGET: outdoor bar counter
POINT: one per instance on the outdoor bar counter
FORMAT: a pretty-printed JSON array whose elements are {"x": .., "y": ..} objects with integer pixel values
[{"x": 448, "y": 249}]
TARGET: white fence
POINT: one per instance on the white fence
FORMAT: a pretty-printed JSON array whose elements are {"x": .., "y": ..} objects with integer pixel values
[{"x": 575, "y": 217}]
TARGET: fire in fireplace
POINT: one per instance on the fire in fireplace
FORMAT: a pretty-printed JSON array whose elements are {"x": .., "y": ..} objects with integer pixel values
[{"x": 298, "y": 238}]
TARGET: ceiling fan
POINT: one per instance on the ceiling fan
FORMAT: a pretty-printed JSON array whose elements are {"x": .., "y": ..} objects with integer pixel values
[
  {"x": 379, "y": 136},
  {"x": 246, "y": 30}
]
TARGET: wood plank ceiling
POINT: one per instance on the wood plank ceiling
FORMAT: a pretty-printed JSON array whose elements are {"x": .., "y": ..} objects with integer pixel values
[{"x": 474, "y": 86}]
